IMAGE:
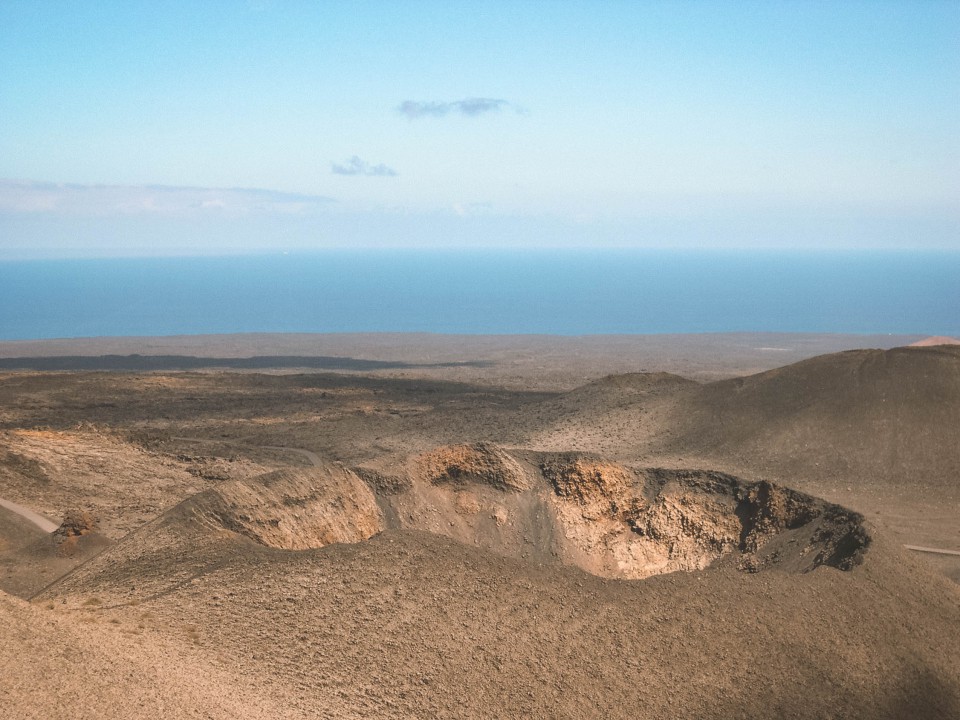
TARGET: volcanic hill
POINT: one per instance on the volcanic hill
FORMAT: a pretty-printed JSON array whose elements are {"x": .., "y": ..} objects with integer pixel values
[{"x": 643, "y": 545}]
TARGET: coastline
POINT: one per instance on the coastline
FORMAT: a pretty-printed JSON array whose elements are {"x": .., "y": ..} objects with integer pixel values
[{"x": 517, "y": 361}]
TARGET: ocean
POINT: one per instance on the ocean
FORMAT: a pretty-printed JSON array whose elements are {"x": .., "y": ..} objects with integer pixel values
[{"x": 567, "y": 292}]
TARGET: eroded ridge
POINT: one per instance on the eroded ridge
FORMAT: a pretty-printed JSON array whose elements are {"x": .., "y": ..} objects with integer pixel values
[
  {"x": 295, "y": 509},
  {"x": 479, "y": 463},
  {"x": 637, "y": 523},
  {"x": 612, "y": 519},
  {"x": 607, "y": 518}
]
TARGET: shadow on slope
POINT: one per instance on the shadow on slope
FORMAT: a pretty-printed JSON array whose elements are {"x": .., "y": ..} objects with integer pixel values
[
  {"x": 413, "y": 624},
  {"x": 866, "y": 415},
  {"x": 143, "y": 363},
  {"x": 611, "y": 519},
  {"x": 291, "y": 509},
  {"x": 30, "y": 559},
  {"x": 862, "y": 417}
]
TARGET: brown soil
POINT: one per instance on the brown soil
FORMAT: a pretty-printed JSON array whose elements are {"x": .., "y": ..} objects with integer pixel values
[
  {"x": 54, "y": 471},
  {"x": 485, "y": 539},
  {"x": 291, "y": 509},
  {"x": 53, "y": 664},
  {"x": 412, "y": 624},
  {"x": 618, "y": 521},
  {"x": 464, "y": 464}
]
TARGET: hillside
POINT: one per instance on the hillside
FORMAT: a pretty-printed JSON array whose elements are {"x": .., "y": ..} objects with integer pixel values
[
  {"x": 413, "y": 624},
  {"x": 777, "y": 593},
  {"x": 871, "y": 415},
  {"x": 321, "y": 545},
  {"x": 876, "y": 430}
]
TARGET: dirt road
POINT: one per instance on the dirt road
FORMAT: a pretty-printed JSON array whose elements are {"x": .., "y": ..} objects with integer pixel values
[
  {"x": 40, "y": 521},
  {"x": 936, "y": 551}
]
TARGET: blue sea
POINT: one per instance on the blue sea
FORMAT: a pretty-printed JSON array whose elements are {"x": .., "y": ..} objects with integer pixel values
[{"x": 568, "y": 292}]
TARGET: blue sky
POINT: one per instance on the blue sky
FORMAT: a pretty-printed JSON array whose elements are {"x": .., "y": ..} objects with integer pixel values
[{"x": 133, "y": 128}]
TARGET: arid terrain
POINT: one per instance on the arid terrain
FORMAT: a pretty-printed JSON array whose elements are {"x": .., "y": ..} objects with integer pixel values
[{"x": 725, "y": 526}]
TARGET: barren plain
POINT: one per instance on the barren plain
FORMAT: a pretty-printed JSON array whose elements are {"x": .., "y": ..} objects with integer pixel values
[{"x": 434, "y": 526}]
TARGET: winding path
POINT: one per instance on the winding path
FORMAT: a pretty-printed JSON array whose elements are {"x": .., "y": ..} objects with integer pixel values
[
  {"x": 45, "y": 524},
  {"x": 937, "y": 551}
]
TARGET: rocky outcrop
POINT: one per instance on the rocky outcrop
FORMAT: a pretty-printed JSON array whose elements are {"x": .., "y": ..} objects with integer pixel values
[
  {"x": 611, "y": 519},
  {"x": 76, "y": 524},
  {"x": 480, "y": 463},
  {"x": 598, "y": 488},
  {"x": 668, "y": 520},
  {"x": 293, "y": 509}
]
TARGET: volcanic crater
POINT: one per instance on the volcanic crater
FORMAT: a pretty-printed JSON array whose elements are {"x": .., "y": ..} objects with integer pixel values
[{"x": 606, "y": 518}]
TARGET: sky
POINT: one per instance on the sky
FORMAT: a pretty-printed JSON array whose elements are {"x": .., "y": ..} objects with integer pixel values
[{"x": 164, "y": 128}]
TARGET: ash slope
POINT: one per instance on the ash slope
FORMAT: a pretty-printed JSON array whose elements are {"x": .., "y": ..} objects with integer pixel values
[
  {"x": 53, "y": 664},
  {"x": 875, "y": 430},
  {"x": 867, "y": 414},
  {"x": 409, "y": 623},
  {"x": 605, "y": 518}
]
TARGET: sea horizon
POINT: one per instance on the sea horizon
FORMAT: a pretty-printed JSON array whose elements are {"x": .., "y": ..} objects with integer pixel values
[{"x": 479, "y": 291}]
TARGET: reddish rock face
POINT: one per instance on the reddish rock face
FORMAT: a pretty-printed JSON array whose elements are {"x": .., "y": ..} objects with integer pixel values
[
  {"x": 294, "y": 509},
  {"x": 76, "y": 523}
]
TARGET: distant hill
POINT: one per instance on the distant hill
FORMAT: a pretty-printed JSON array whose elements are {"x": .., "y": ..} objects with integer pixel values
[
  {"x": 870, "y": 416},
  {"x": 935, "y": 340}
]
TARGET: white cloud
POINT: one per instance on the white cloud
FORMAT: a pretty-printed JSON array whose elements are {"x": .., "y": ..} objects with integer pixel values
[
  {"x": 472, "y": 209},
  {"x": 357, "y": 166},
  {"x": 27, "y": 197},
  {"x": 471, "y": 107}
]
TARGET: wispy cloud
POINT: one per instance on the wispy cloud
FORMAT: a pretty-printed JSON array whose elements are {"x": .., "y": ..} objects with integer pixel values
[
  {"x": 471, "y": 107},
  {"x": 105, "y": 200},
  {"x": 472, "y": 209},
  {"x": 356, "y": 166}
]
